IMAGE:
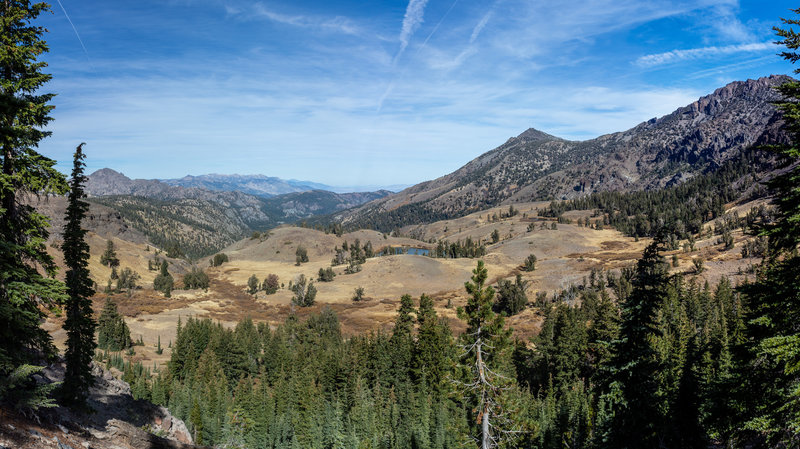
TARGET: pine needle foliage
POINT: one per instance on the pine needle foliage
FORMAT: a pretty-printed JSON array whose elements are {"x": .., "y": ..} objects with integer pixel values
[
  {"x": 27, "y": 286},
  {"x": 79, "y": 325},
  {"x": 769, "y": 365}
]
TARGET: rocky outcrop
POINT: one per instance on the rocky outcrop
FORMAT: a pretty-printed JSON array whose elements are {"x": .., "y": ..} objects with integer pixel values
[{"x": 116, "y": 421}]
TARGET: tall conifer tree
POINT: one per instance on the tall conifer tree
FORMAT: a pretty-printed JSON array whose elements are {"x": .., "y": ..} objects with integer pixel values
[
  {"x": 79, "y": 324},
  {"x": 24, "y": 111},
  {"x": 770, "y": 370},
  {"x": 635, "y": 419},
  {"x": 486, "y": 344}
]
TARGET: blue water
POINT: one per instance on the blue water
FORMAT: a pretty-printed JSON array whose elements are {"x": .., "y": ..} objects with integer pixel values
[
  {"x": 419, "y": 251},
  {"x": 410, "y": 250}
]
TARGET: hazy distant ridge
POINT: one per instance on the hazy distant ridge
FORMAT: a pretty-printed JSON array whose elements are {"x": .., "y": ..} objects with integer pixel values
[{"x": 266, "y": 186}]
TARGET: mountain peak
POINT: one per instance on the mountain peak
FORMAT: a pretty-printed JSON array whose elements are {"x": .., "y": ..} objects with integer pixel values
[
  {"x": 108, "y": 173},
  {"x": 535, "y": 134}
]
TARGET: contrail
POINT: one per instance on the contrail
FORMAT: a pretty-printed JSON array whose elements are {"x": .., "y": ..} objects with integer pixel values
[
  {"x": 402, "y": 74},
  {"x": 76, "y": 32},
  {"x": 437, "y": 26}
]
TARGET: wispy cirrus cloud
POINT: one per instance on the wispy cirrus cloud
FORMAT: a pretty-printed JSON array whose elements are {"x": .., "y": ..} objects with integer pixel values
[
  {"x": 469, "y": 50},
  {"x": 337, "y": 24},
  {"x": 673, "y": 56},
  {"x": 415, "y": 15}
]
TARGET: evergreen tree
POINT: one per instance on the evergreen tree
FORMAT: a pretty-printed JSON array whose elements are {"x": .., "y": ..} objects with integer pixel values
[
  {"x": 164, "y": 281},
  {"x": 24, "y": 290},
  {"x": 511, "y": 297},
  {"x": 218, "y": 259},
  {"x": 195, "y": 279},
  {"x": 270, "y": 284},
  {"x": 127, "y": 280},
  {"x": 635, "y": 417},
  {"x": 326, "y": 274},
  {"x": 770, "y": 362},
  {"x": 112, "y": 332},
  {"x": 432, "y": 352},
  {"x": 530, "y": 263},
  {"x": 301, "y": 255},
  {"x": 109, "y": 256},
  {"x": 486, "y": 344},
  {"x": 402, "y": 341},
  {"x": 603, "y": 331},
  {"x": 252, "y": 284},
  {"x": 79, "y": 324}
]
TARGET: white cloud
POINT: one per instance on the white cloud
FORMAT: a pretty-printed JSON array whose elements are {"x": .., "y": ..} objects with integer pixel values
[
  {"x": 531, "y": 29},
  {"x": 415, "y": 13},
  {"x": 337, "y": 24},
  {"x": 480, "y": 26},
  {"x": 699, "y": 53}
]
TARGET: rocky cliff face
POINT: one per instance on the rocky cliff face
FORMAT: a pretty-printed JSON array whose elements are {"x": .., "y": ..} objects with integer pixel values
[{"x": 537, "y": 166}]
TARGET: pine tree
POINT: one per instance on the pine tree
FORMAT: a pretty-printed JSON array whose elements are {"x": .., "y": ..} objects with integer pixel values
[
  {"x": 301, "y": 255},
  {"x": 486, "y": 344},
  {"x": 304, "y": 291},
  {"x": 79, "y": 324},
  {"x": 402, "y": 341},
  {"x": 432, "y": 352},
  {"x": 164, "y": 282},
  {"x": 24, "y": 111},
  {"x": 511, "y": 297},
  {"x": 252, "y": 284},
  {"x": 635, "y": 417},
  {"x": 112, "y": 332},
  {"x": 603, "y": 331},
  {"x": 530, "y": 263},
  {"x": 770, "y": 365},
  {"x": 109, "y": 256}
]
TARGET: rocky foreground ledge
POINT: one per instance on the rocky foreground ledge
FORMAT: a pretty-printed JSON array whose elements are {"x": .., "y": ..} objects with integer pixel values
[{"x": 118, "y": 421}]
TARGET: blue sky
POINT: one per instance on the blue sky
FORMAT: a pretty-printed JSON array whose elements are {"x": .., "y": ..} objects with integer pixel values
[{"x": 377, "y": 93}]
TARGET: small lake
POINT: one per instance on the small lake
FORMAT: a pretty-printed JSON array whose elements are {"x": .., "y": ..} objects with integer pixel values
[{"x": 408, "y": 250}]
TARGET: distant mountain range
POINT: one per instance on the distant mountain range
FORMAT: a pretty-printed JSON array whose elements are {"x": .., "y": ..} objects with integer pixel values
[
  {"x": 202, "y": 220},
  {"x": 692, "y": 140},
  {"x": 265, "y": 186}
]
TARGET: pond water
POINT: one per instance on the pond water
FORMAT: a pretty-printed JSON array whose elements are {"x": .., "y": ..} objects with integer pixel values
[{"x": 409, "y": 250}]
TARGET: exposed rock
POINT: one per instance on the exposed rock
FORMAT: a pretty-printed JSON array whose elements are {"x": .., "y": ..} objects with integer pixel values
[
  {"x": 117, "y": 421},
  {"x": 124, "y": 432}
]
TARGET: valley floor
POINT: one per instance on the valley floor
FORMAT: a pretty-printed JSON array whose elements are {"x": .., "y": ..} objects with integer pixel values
[{"x": 565, "y": 256}]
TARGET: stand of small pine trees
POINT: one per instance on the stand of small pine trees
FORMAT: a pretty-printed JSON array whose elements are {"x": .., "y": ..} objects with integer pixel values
[{"x": 112, "y": 332}]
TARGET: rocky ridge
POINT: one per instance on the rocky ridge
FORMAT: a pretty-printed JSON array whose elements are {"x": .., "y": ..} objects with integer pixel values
[
  {"x": 203, "y": 221},
  {"x": 534, "y": 165}
]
